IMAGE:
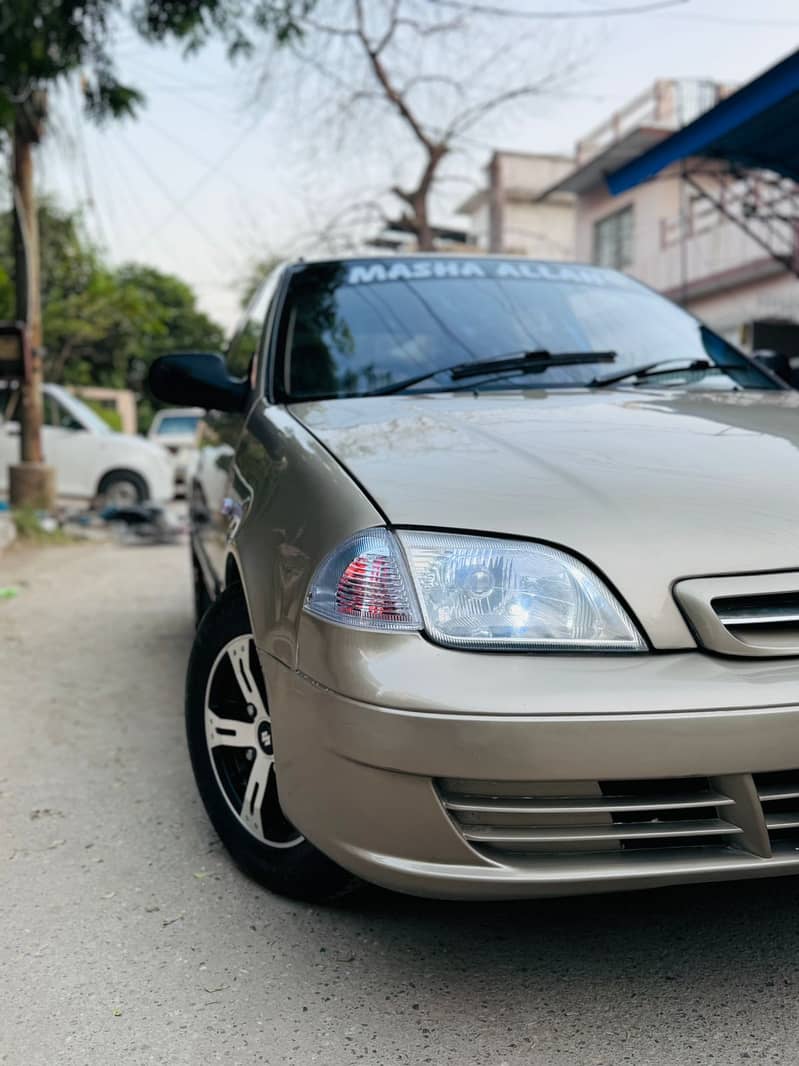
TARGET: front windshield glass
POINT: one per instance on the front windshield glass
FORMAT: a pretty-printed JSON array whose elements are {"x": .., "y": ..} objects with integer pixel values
[
  {"x": 80, "y": 411},
  {"x": 173, "y": 425},
  {"x": 355, "y": 327}
]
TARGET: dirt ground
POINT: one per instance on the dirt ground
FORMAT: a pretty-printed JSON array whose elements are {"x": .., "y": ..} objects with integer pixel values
[{"x": 127, "y": 936}]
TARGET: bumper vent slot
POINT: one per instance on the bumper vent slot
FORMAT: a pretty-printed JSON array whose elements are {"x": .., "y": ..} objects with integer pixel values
[
  {"x": 779, "y": 797},
  {"x": 558, "y": 817}
]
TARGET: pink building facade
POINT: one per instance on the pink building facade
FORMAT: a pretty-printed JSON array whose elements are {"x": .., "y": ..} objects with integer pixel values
[{"x": 681, "y": 233}]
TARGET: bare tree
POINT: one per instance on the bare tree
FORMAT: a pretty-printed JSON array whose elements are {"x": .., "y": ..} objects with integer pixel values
[{"x": 416, "y": 74}]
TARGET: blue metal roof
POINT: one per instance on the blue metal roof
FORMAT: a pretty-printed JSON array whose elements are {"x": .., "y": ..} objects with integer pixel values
[{"x": 755, "y": 127}]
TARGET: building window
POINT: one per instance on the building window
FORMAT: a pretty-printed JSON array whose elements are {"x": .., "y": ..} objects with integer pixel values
[{"x": 613, "y": 240}]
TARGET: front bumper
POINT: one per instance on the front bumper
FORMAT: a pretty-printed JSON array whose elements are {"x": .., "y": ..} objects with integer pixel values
[{"x": 369, "y": 785}]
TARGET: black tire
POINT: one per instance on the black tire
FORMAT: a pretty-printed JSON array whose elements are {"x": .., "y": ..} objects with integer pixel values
[
  {"x": 293, "y": 866},
  {"x": 136, "y": 486},
  {"x": 202, "y": 601}
]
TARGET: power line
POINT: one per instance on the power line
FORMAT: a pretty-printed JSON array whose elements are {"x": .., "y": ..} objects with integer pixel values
[
  {"x": 177, "y": 205},
  {"x": 84, "y": 160},
  {"x": 606, "y": 12},
  {"x": 180, "y": 205},
  {"x": 194, "y": 154},
  {"x": 122, "y": 172},
  {"x": 730, "y": 20}
]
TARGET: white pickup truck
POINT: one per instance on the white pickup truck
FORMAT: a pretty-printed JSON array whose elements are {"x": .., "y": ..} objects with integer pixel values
[{"x": 91, "y": 461}]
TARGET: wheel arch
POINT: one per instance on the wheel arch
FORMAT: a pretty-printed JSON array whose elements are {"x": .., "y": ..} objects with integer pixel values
[
  {"x": 233, "y": 571},
  {"x": 234, "y": 576}
]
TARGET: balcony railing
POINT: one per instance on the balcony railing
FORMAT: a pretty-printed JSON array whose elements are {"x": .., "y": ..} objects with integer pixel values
[{"x": 669, "y": 104}]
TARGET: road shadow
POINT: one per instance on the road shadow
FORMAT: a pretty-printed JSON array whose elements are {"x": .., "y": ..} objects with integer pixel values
[{"x": 617, "y": 959}]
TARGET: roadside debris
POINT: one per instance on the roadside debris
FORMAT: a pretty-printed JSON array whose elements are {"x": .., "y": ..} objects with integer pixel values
[
  {"x": 142, "y": 524},
  {"x": 8, "y": 530},
  {"x": 38, "y": 527}
]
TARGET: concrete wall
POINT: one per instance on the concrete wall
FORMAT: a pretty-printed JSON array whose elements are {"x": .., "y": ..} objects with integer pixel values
[
  {"x": 531, "y": 173},
  {"x": 651, "y": 203},
  {"x": 718, "y": 271},
  {"x": 772, "y": 298},
  {"x": 543, "y": 231},
  {"x": 526, "y": 226}
]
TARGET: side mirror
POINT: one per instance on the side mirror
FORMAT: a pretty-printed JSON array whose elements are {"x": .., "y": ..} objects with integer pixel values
[
  {"x": 776, "y": 362},
  {"x": 197, "y": 379}
]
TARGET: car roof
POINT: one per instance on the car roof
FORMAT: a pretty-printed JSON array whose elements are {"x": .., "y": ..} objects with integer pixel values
[{"x": 397, "y": 257}]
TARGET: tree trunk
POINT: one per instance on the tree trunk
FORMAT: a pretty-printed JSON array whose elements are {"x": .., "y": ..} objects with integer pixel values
[
  {"x": 424, "y": 231},
  {"x": 28, "y": 291}
]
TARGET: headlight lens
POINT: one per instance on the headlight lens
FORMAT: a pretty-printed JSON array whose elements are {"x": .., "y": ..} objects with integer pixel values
[
  {"x": 478, "y": 592},
  {"x": 470, "y": 592}
]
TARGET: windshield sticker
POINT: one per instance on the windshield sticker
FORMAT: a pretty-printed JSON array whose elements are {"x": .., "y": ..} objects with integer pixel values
[
  {"x": 370, "y": 273},
  {"x": 414, "y": 270}
]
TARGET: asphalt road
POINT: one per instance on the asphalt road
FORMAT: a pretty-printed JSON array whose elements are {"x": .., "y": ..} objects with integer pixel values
[{"x": 127, "y": 936}]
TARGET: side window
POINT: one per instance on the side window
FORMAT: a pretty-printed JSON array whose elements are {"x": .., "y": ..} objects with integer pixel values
[
  {"x": 9, "y": 404},
  {"x": 56, "y": 415},
  {"x": 244, "y": 351}
]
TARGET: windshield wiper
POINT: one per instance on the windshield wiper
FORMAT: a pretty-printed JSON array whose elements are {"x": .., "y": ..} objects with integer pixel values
[
  {"x": 649, "y": 370},
  {"x": 533, "y": 362}
]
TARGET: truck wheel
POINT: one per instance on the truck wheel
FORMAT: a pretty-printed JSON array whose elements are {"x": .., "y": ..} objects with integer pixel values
[{"x": 122, "y": 488}]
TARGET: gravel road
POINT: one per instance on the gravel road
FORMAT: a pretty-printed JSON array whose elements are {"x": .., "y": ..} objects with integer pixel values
[{"x": 127, "y": 936}]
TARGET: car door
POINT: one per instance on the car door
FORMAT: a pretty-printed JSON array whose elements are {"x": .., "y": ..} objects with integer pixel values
[
  {"x": 67, "y": 445},
  {"x": 9, "y": 432},
  {"x": 222, "y": 492},
  {"x": 70, "y": 448}
]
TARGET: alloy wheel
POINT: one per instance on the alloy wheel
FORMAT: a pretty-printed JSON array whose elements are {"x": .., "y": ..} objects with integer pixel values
[{"x": 238, "y": 732}]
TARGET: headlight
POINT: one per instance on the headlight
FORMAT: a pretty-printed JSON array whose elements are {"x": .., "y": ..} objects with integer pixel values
[
  {"x": 477, "y": 592},
  {"x": 471, "y": 592}
]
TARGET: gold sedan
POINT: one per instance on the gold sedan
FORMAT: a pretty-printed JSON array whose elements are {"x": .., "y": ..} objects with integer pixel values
[{"x": 497, "y": 584}]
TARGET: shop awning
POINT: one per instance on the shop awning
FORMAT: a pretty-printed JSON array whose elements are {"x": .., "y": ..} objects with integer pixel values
[{"x": 757, "y": 127}]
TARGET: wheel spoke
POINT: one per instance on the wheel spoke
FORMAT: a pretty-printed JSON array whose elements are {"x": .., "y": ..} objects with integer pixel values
[
  {"x": 239, "y": 654},
  {"x": 229, "y": 732},
  {"x": 255, "y": 793}
]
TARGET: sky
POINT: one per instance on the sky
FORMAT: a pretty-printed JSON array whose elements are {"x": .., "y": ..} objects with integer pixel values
[{"x": 215, "y": 174}]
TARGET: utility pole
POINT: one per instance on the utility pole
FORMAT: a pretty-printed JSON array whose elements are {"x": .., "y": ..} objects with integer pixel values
[{"x": 31, "y": 482}]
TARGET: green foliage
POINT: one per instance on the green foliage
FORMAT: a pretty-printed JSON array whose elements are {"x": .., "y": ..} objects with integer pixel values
[
  {"x": 43, "y": 41},
  {"x": 236, "y": 22},
  {"x": 104, "y": 325},
  {"x": 109, "y": 415},
  {"x": 28, "y": 525},
  {"x": 256, "y": 273}
]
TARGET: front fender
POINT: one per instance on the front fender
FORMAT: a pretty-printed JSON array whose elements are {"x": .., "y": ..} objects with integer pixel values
[{"x": 302, "y": 503}]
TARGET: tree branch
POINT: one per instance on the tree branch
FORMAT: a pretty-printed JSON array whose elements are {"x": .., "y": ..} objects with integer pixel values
[{"x": 393, "y": 95}]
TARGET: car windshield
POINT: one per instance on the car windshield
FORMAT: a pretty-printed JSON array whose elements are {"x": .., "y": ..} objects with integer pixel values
[
  {"x": 174, "y": 425},
  {"x": 82, "y": 415},
  {"x": 356, "y": 327}
]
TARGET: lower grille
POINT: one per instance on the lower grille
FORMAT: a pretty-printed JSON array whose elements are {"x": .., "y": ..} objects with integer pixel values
[
  {"x": 563, "y": 817},
  {"x": 779, "y": 797},
  {"x": 749, "y": 614}
]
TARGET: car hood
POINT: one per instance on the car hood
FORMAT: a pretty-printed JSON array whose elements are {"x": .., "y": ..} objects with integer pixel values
[
  {"x": 173, "y": 440},
  {"x": 133, "y": 444},
  {"x": 648, "y": 486}
]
